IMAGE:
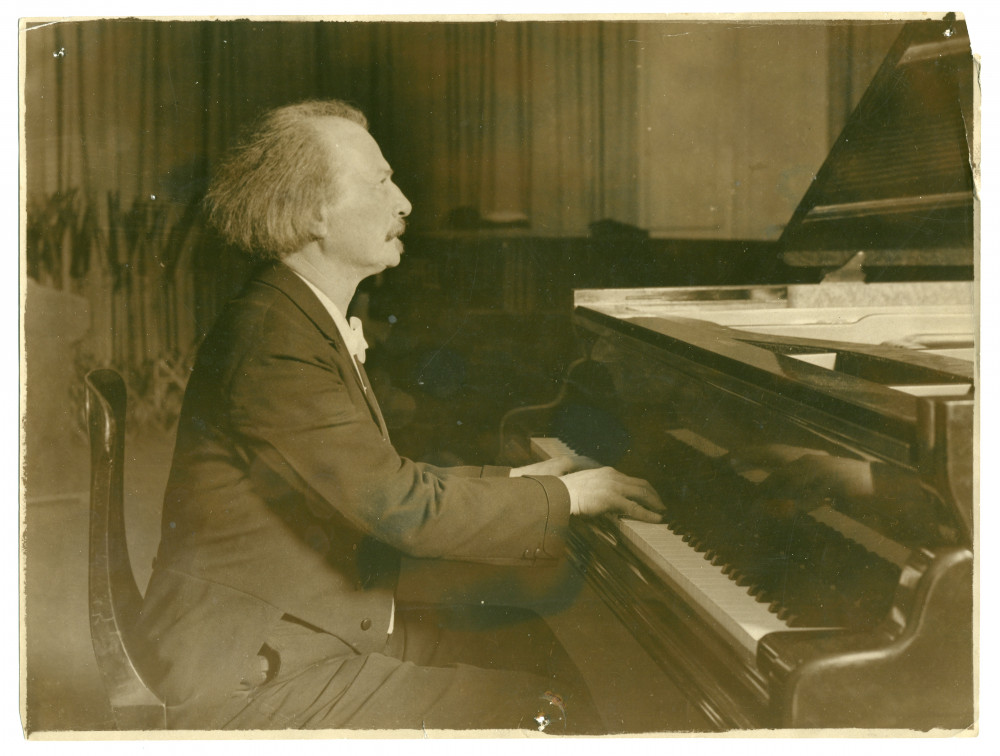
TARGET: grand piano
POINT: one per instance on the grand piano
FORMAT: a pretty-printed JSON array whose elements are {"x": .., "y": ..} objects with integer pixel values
[{"x": 813, "y": 443}]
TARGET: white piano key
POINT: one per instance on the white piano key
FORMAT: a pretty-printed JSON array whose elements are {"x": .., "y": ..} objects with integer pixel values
[{"x": 729, "y": 607}]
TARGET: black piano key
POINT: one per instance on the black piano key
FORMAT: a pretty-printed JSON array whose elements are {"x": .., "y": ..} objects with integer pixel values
[{"x": 793, "y": 565}]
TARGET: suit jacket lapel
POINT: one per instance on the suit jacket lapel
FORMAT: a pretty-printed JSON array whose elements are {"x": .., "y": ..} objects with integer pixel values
[
  {"x": 372, "y": 401},
  {"x": 281, "y": 277}
]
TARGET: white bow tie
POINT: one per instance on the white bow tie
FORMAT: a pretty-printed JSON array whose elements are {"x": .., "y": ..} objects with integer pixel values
[{"x": 356, "y": 343}]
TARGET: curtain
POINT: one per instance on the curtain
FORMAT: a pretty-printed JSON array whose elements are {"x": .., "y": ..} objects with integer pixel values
[
  {"x": 504, "y": 116},
  {"x": 528, "y": 122}
]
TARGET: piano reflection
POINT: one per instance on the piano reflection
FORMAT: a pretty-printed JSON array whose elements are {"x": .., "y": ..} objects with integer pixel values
[{"x": 813, "y": 443}]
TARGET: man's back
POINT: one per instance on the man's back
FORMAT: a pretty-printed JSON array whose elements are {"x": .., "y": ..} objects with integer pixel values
[{"x": 286, "y": 499}]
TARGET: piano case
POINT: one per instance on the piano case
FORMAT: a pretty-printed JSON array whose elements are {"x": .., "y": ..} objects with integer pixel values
[{"x": 813, "y": 443}]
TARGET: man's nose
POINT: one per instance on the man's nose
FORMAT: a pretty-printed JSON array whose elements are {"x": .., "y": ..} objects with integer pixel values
[{"x": 403, "y": 206}]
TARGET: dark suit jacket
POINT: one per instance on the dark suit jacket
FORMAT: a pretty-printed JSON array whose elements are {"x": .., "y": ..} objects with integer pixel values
[{"x": 286, "y": 499}]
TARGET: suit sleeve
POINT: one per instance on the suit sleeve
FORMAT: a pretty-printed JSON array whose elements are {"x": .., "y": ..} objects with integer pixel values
[
  {"x": 299, "y": 415},
  {"x": 473, "y": 471}
]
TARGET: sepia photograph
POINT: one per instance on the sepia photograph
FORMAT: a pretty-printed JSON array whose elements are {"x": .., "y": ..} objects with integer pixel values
[{"x": 499, "y": 376}]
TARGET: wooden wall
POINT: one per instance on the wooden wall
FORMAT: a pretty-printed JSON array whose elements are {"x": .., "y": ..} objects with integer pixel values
[{"x": 735, "y": 119}]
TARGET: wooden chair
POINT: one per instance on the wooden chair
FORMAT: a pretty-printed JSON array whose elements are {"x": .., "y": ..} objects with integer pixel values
[{"x": 114, "y": 597}]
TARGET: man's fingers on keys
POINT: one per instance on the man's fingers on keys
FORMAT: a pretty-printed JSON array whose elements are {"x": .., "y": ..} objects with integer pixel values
[
  {"x": 642, "y": 492},
  {"x": 636, "y": 511}
]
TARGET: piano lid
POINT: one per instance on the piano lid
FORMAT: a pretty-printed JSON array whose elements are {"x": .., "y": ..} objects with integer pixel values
[{"x": 897, "y": 184}]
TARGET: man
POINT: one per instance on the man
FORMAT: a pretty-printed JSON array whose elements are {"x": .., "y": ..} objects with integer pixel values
[{"x": 271, "y": 604}]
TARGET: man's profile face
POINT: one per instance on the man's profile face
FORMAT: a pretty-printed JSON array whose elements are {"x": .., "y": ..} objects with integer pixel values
[{"x": 363, "y": 220}]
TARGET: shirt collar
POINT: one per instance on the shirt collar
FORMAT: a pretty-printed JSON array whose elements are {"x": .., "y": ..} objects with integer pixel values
[{"x": 350, "y": 331}]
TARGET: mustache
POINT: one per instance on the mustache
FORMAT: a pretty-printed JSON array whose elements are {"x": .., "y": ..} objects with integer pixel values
[{"x": 398, "y": 231}]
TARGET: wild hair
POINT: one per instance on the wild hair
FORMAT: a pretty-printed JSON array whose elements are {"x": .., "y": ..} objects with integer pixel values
[{"x": 267, "y": 190}]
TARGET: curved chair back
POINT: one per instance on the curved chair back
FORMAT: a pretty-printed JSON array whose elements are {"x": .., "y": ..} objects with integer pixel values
[{"x": 114, "y": 597}]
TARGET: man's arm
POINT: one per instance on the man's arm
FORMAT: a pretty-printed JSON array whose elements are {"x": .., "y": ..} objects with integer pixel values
[{"x": 299, "y": 415}]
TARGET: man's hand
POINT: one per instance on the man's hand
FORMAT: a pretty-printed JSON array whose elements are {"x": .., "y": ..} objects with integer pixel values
[
  {"x": 561, "y": 465},
  {"x": 596, "y": 492}
]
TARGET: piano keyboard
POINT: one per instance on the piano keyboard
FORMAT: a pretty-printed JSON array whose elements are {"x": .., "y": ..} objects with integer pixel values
[
  {"x": 547, "y": 448},
  {"x": 715, "y": 595}
]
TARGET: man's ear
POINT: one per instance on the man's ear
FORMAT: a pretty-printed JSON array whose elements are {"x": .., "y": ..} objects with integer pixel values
[{"x": 317, "y": 225}]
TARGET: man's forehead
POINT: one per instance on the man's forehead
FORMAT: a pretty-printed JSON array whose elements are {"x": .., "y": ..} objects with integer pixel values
[{"x": 350, "y": 141}]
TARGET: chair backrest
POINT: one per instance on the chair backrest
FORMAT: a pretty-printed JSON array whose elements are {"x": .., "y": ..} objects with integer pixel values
[{"x": 114, "y": 597}]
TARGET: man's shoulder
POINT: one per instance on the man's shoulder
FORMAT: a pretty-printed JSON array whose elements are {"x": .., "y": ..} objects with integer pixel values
[
  {"x": 276, "y": 291},
  {"x": 272, "y": 292},
  {"x": 263, "y": 316},
  {"x": 275, "y": 315}
]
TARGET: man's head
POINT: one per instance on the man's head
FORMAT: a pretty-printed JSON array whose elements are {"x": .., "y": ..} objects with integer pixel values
[
  {"x": 299, "y": 176},
  {"x": 358, "y": 226}
]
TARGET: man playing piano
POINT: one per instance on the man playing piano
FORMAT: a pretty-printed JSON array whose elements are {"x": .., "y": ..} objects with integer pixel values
[{"x": 272, "y": 601}]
